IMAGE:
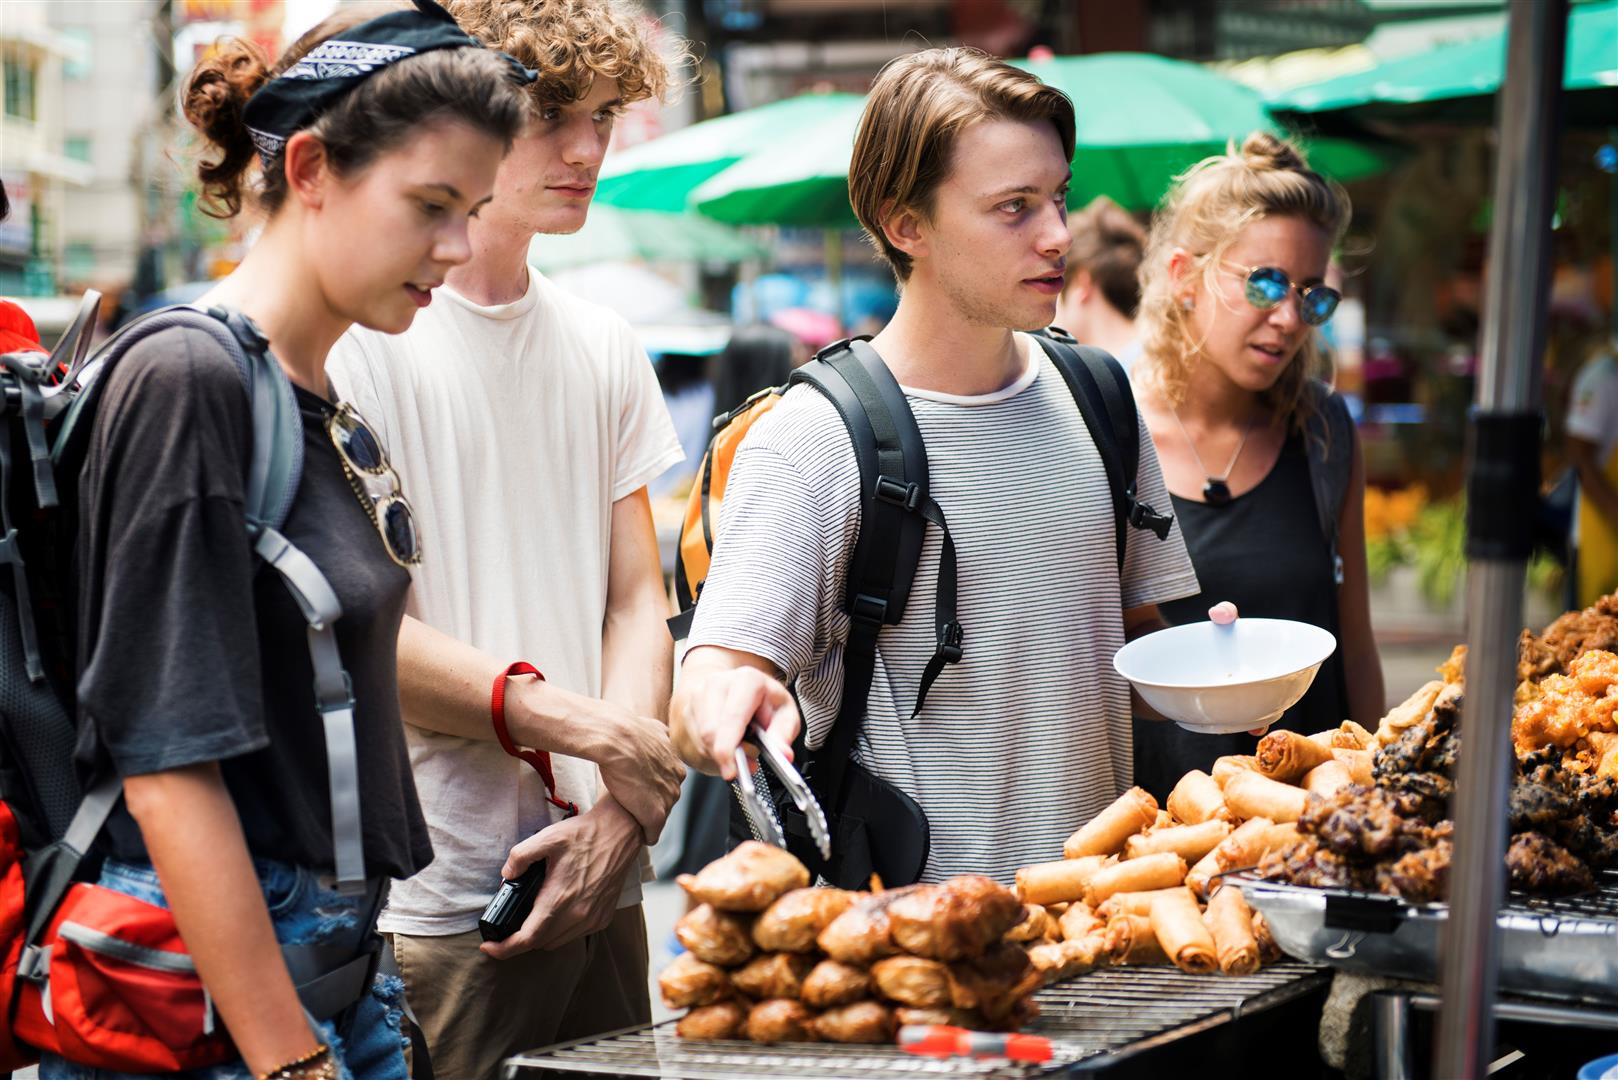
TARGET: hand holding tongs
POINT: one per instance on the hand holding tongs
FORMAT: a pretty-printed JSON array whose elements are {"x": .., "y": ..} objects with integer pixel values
[{"x": 773, "y": 754}]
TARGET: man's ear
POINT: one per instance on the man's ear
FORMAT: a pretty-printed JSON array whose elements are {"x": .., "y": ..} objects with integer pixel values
[
  {"x": 1080, "y": 285},
  {"x": 904, "y": 229},
  {"x": 307, "y": 171}
]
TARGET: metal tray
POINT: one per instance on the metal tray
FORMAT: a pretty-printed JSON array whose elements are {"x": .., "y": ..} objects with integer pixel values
[
  {"x": 1091, "y": 1019},
  {"x": 1564, "y": 948}
]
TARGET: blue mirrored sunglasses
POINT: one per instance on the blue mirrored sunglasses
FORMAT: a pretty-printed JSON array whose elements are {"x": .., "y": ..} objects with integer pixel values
[
  {"x": 1267, "y": 286},
  {"x": 376, "y": 484}
]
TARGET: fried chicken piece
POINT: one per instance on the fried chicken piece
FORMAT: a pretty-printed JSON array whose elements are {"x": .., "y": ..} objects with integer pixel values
[
  {"x": 715, "y": 936},
  {"x": 864, "y": 933},
  {"x": 831, "y": 983},
  {"x": 862, "y": 1022},
  {"x": 689, "y": 982},
  {"x": 911, "y": 980},
  {"x": 954, "y": 919},
  {"x": 792, "y": 923},
  {"x": 777, "y": 975},
  {"x": 1570, "y": 706},
  {"x": 1536, "y": 864},
  {"x": 780, "y": 1021},
  {"x": 1420, "y": 876},
  {"x": 1569, "y": 637},
  {"x": 749, "y": 879},
  {"x": 994, "y": 982},
  {"x": 720, "y": 1021}
]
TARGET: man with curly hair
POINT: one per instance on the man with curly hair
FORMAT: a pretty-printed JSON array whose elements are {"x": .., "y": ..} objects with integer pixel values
[{"x": 525, "y": 424}]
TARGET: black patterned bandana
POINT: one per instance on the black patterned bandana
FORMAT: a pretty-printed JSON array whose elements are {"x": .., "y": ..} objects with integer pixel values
[{"x": 295, "y": 98}]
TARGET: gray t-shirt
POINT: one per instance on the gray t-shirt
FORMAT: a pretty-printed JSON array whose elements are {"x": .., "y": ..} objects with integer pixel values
[{"x": 1029, "y": 735}]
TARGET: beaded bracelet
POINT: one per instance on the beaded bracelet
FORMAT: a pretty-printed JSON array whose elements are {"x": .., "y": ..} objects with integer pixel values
[{"x": 316, "y": 1065}]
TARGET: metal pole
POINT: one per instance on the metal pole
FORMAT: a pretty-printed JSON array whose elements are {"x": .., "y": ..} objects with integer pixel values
[{"x": 1502, "y": 481}]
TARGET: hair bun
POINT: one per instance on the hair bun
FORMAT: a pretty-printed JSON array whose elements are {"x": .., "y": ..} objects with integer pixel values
[
  {"x": 213, "y": 101},
  {"x": 1262, "y": 150}
]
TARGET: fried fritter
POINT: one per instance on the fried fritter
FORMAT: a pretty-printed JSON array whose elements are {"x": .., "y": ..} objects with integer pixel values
[{"x": 1538, "y": 865}]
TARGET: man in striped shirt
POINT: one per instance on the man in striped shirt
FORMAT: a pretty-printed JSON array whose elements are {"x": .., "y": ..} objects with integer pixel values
[{"x": 960, "y": 176}]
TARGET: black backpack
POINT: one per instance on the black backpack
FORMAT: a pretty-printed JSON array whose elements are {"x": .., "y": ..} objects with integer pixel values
[
  {"x": 876, "y": 828},
  {"x": 49, "y": 407}
]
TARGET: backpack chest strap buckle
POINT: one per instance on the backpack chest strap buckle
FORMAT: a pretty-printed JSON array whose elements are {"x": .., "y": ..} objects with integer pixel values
[{"x": 898, "y": 493}]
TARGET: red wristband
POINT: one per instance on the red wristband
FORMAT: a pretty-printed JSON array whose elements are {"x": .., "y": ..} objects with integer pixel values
[{"x": 539, "y": 759}]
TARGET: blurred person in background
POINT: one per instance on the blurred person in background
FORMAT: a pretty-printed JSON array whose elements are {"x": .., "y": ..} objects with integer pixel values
[
  {"x": 535, "y": 424},
  {"x": 1232, "y": 290},
  {"x": 1592, "y": 447},
  {"x": 196, "y": 685},
  {"x": 1102, "y": 290},
  {"x": 17, "y": 332}
]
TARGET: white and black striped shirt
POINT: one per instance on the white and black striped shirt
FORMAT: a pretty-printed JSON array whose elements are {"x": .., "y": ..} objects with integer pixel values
[{"x": 1029, "y": 735}]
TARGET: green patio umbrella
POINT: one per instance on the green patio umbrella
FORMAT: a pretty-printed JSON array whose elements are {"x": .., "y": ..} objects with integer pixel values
[
  {"x": 661, "y": 174},
  {"x": 803, "y": 181},
  {"x": 1143, "y": 119},
  {"x": 613, "y": 234},
  {"x": 1457, "y": 83}
]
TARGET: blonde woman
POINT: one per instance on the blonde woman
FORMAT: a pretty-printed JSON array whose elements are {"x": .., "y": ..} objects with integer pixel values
[{"x": 1259, "y": 456}]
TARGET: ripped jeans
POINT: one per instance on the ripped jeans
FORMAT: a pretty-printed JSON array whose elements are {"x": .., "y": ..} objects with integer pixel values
[{"x": 303, "y": 912}]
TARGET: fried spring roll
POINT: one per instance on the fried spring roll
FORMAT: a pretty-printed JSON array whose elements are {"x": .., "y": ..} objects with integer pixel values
[
  {"x": 1286, "y": 755},
  {"x": 1351, "y": 736},
  {"x": 1252, "y": 796},
  {"x": 1196, "y": 798},
  {"x": 1268, "y": 951},
  {"x": 1230, "y": 921},
  {"x": 1035, "y": 923},
  {"x": 1359, "y": 764},
  {"x": 1326, "y": 778},
  {"x": 1131, "y": 903},
  {"x": 1198, "y": 877},
  {"x": 1324, "y": 738},
  {"x": 1189, "y": 842},
  {"x": 1130, "y": 940},
  {"x": 1160, "y": 871},
  {"x": 1239, "y": 853},
  {"x": 1057, "y": 882},
  {"x": 1232, "y": 765},
  {"x": 1106, "y": 833},
  {"x": 1078, "y": 921},
  {"x": 1177, "y": 923}
]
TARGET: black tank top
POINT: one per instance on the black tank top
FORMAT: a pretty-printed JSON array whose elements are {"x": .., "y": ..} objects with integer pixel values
[{"x": 1263, "y": 551}]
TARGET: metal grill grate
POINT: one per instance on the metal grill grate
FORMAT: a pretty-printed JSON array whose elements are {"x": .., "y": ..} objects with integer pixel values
[
  {"x": 1104, "y": 1011},
  {"x": 1601, "y": 904}
]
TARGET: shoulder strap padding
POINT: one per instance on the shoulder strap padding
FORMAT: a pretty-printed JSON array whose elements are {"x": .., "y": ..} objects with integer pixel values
[{"x": 1329, "y": 442}]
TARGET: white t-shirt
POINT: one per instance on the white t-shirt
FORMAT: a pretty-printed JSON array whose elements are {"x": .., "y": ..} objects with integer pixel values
[
  {"x": 1592, "y": 412},
  {"x": 1029, "y": 735},
  {"x": 514, "y": 429}
]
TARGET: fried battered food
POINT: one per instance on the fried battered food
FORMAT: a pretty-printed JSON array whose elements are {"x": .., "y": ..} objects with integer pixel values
[
  {"x": 995, "y": 982},
  {"x": 715, "y": 936},
  {"x": 792, "y": 923},
  {"x": 1035, "y": 925},
  {"x": 1268, "y": 951},
  {"x": 1352, "y": 736},
  {"x": 1308, "y": 862},
  {"x": 911, "y": 980},
  {"x": 1571, "y": 706},
  {"x": 1286, "y": 755},
  {"x": 1420, "y": 876},
  {"x": 1160, "y": 871},
  {"x": 1130, "y": 940},
  {"x": 954, "y": 919},
  {"x": 720, "y": 1021},
  {"x": 689, "y": 982},
  {"x": 1538, "y": 865},
  {"x": 1058, "y": 882},
  {"x": 1190, "y": 842},
  {"x": 1105, "y": 833},
  {"x": 1078, "y": 921},
  {"x": 1058, "y": 960},
  {"x": 776, "y": 975},
  {"x": 1255, "y": 795},
  {"x": 1569, "y": 637},
  {"x": 1232, "y": 765},
  {"x": 749, "y": 879},
  {"x": 1230, "y": 921},
  {"x": 1408, "y": 713},
  {"x": 1184, "y": 938},
  {"x": 1197, "y": 798},
  {"x": 863, "y": 933},
  {"x": 1365, "y": 822},
  {"x": 862, "y": 1022},
  {"x": 831, "y": 983},
  {"x": 780, "y": 1021}
]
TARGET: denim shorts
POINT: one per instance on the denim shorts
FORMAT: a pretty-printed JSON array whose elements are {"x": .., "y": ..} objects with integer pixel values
[{"x": 303, "y": 912}]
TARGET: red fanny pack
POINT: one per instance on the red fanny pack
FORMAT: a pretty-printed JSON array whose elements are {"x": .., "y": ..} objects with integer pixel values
[{"x": 109, "y": 985}]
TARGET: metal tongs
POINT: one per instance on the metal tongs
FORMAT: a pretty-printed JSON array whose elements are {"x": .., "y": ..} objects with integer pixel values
[{"x": 773, "y": 754}]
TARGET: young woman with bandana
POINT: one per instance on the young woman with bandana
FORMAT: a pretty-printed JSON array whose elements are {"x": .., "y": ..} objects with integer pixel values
[
  {"x": 1232, "y": 291},
  {"x": 366, "y": 148}
]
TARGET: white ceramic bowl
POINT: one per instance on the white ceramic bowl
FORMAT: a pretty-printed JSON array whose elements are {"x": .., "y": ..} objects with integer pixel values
[{"x": 1222, "y": 679}]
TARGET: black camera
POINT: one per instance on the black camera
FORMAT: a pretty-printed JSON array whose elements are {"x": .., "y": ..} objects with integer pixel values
[{"x": 511, "y": 904}]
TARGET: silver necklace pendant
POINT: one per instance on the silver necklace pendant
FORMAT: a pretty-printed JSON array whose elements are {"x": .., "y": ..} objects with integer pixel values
[{"x": 1216, "y": 492}]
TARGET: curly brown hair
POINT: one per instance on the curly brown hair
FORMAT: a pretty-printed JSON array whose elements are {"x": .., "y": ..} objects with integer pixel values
[{"x": 571, "y": 43}]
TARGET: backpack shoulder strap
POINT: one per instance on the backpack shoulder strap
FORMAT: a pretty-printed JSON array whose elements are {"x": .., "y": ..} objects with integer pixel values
[
  {"x": 1329, "y": 442},
  {"x": 895, "y": 511},
  {"x": 1100, "y": 387}
]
